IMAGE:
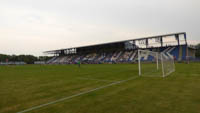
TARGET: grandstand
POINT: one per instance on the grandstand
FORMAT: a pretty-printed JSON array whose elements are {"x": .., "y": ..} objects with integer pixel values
[{"x": 173, "y": 45}]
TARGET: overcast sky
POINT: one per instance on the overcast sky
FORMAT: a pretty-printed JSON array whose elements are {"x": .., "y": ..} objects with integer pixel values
[{"x": 34, "y": 26}]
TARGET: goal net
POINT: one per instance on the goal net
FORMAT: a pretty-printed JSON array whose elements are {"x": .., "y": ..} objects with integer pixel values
[
  {"x": 167, "y": 64},
  {"x": 154, "y": 64}
]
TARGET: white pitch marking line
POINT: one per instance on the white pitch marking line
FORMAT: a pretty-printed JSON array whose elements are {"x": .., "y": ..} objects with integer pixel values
[
  {"x": 95, "y": 79},
  {"x": 151, "y": 76},
  {"x": 66, "y": 98}
]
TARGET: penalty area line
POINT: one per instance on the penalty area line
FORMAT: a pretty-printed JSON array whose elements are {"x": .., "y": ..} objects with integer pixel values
[{"x": 76, "y": 95}]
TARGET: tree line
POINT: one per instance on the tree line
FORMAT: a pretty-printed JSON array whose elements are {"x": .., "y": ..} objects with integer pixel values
[
  {"x": 29, "y": 59},
  {"x": 198, "y": 51}
]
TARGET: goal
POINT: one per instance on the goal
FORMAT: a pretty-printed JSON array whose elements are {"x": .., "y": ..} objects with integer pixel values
[
  {"x": 168, "y": 65},
  {"x": 153, "y": 64}
]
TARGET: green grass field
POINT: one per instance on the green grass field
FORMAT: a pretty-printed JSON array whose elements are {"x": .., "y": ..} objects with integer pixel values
[{"x": 56, "y": 88}]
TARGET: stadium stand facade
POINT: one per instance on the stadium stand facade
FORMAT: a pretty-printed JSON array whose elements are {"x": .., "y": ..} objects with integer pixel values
[{"x": 173, "y": 45}]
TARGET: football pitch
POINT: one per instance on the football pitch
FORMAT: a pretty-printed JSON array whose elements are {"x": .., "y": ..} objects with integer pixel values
[{"x": 102, "y": 88}]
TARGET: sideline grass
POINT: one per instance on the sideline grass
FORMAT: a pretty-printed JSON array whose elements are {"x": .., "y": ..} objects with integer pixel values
[{"x": 22, "y": 87}]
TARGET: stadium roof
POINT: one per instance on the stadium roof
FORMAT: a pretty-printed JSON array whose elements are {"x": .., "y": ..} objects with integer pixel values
[{"x": 143, "y": 38}]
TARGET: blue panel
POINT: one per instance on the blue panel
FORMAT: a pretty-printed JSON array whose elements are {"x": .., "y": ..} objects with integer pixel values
[
  {"x": 175, "y": 53},
  {"x": 184, "y": 52}
]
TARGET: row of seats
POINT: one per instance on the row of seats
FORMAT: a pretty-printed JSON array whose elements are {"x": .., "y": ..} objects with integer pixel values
[{"x": 94, "y": 58}]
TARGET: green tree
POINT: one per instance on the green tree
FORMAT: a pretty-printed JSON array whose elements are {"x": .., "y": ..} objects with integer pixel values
[
  {"x": 198, "y": 51},
  {"x": 29, "y": 59}
]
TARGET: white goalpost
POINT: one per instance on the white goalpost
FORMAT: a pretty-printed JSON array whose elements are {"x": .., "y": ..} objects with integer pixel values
[{"x": 155, "y": 64}]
